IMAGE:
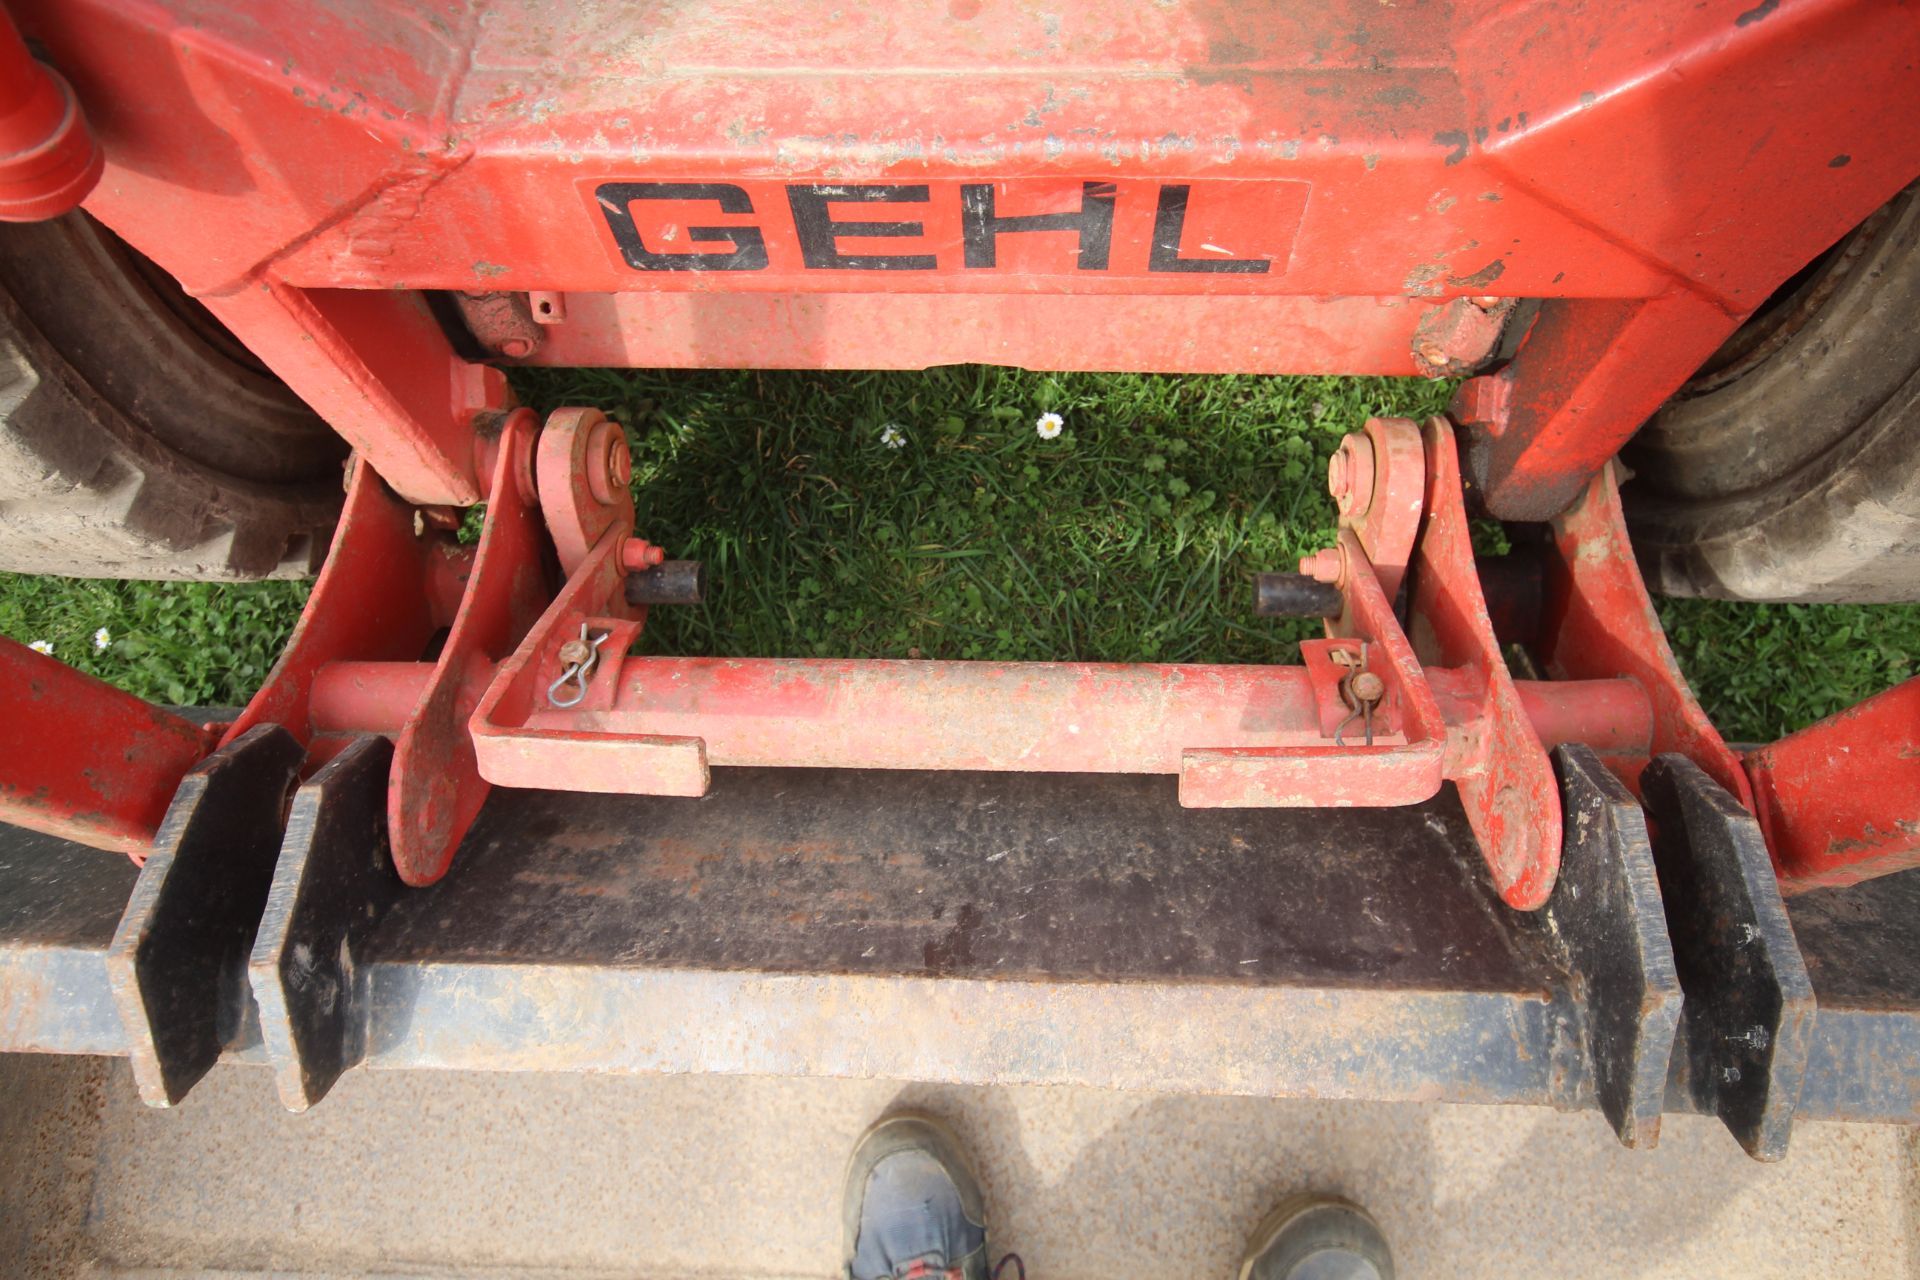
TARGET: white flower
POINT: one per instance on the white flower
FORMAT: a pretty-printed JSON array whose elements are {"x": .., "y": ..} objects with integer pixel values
[
  {"x": 892, "y": 436},
  {"x": 101, "y": 639},
  {"x": 42, "y": 646},
  {"x": 1049, "y": 425}
]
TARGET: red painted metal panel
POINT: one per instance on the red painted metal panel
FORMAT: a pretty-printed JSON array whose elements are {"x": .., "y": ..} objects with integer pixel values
[
  {"x": 1840, "y": 800},
  {"x": 916, "y": 331},
  {"x": 1305, "y": 151},
  {"x": 81, "y": 760},
  {"x": 378, "y": 149},
  {"x": 1726, "y": 143}
]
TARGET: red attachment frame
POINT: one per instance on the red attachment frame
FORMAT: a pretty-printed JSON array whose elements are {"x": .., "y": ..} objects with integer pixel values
[
  {"x": 1601, "y": 192},
  {"x": 557, "y": 703},
  {"x": 1236, "y": 736}
]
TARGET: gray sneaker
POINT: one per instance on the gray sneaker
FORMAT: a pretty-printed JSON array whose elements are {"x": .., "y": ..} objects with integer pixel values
[
  {"x": 912, "y": 1208},
  {"x": 1317, "y": 1237}
]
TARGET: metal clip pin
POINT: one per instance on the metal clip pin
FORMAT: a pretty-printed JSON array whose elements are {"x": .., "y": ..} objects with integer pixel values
[
  {"x": 1360, "y": 689},
  {"x": 581, "y": 657}
]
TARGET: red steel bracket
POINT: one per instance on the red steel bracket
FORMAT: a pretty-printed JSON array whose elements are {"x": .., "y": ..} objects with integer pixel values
[
  {"x": 390, "y": 580},
  {"x": 1837, "y": 799},
  {"x": 1599, "y": 622},
  {"x": 583, "y": 469},
  {"x": 376, "y": 365},
  {"x": 1505, "y": 779},
  {"x": 1589, "y": 372},
  {"x": 394, "y": 578},
  {"x": 436, "y": 789},
  {"x": 1378, "y": 480},
  {"x": 81, "y": 760}
]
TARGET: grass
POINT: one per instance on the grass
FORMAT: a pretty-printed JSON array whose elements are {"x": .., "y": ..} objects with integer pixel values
[
  {"x": 1131, "y": 536},
  {"x": 179, "y": 643}
]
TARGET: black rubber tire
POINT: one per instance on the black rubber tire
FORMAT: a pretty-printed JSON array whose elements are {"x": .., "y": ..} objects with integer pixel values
[
  {"x": 1789, "y": 467},
  {"x": 138, "y": 439}
]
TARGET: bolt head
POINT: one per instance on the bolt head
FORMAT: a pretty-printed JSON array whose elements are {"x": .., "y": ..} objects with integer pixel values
[
  {"x": 1322, "y": 566},
  {"x": 516, "y": 348},
  {"x": 1369, "y": 687},
  {"x": 1350, "y": 475},
  {"x": 606, "y": 461},
  {"x": 1483, "y": 403}
]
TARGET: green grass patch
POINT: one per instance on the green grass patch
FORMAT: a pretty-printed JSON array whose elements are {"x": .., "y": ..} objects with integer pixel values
[
  {"x": 1764, "y": 670},
  {"x": 1131, "y": 536},
  {"x": 180, "y": 643}
]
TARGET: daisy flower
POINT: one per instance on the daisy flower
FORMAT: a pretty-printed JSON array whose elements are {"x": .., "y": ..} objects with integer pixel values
[
  {"x": 1048, "y": 426},
  {"x": 892, "y": 436},
  {"x": 42, "y": 646},
  {"x": 101, "y": 639}
]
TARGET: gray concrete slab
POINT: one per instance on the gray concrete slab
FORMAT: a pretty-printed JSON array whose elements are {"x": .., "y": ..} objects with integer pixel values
[{"x": 492, "y": 1175}]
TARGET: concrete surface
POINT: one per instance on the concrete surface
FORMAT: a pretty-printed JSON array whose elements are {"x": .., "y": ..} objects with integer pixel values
[{"x": 450, "y": 1174}]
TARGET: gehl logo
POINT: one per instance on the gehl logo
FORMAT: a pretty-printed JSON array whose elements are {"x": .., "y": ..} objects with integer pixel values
[{"x": 824, "y": 236}]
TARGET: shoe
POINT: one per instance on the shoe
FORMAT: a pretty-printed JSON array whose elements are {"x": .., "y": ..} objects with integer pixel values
[
  {"x": 912, "y": 1208},
  {"x": 1313, "y": 1236}
]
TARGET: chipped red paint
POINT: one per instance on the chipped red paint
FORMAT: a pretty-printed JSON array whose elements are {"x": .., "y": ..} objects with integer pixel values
[
  {"x": 1506, "y": 782},
  {"x": 82, "y": 760},
  {"x": 1837, "y": 799}
]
